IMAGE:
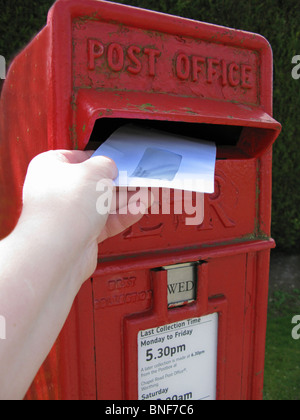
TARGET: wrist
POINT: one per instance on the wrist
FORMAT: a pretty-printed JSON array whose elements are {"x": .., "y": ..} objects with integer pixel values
[{"x": 56, "y": 253}]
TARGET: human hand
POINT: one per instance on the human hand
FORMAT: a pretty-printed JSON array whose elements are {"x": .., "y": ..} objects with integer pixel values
[
  {"x": 61, "y": 192},
  {"x": 52, "y": 251}
]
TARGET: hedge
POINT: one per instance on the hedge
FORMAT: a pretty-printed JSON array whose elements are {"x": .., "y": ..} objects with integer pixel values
[{"x": 277, "y": 20}]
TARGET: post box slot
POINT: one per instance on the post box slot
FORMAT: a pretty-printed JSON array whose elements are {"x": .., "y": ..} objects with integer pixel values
[
  {"x": 240, "y": 132},
  {"x": 225, "y": 136}
]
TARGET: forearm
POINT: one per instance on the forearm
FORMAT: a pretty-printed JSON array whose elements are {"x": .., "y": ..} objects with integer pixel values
[{"x": 37, "y": 292}]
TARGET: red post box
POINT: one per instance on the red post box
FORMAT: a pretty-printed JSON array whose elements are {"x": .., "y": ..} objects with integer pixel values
[{"x": 173, "y": 311}]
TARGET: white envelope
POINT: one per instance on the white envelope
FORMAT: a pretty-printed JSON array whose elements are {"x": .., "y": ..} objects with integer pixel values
[{"x": 152, "y": 158}]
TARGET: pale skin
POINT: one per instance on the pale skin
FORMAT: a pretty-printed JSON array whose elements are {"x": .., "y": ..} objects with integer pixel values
[{"x": 50, "y": 254}]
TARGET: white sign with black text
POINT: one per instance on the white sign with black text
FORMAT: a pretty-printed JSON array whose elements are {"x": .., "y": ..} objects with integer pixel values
[{"x": 179, "y": 361}]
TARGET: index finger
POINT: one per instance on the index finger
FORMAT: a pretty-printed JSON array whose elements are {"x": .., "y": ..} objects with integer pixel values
[{"x": 73, "y": 156}]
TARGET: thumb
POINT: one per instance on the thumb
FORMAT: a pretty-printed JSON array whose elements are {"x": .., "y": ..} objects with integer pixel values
[{"x": 101, "y": 167}]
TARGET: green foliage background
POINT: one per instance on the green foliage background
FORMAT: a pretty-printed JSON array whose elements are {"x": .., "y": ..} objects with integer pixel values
[{"x": 277, "y": 20}]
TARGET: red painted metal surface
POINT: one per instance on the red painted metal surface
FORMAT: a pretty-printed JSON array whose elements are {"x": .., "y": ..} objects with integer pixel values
[{"x": 97, "y": 64}]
